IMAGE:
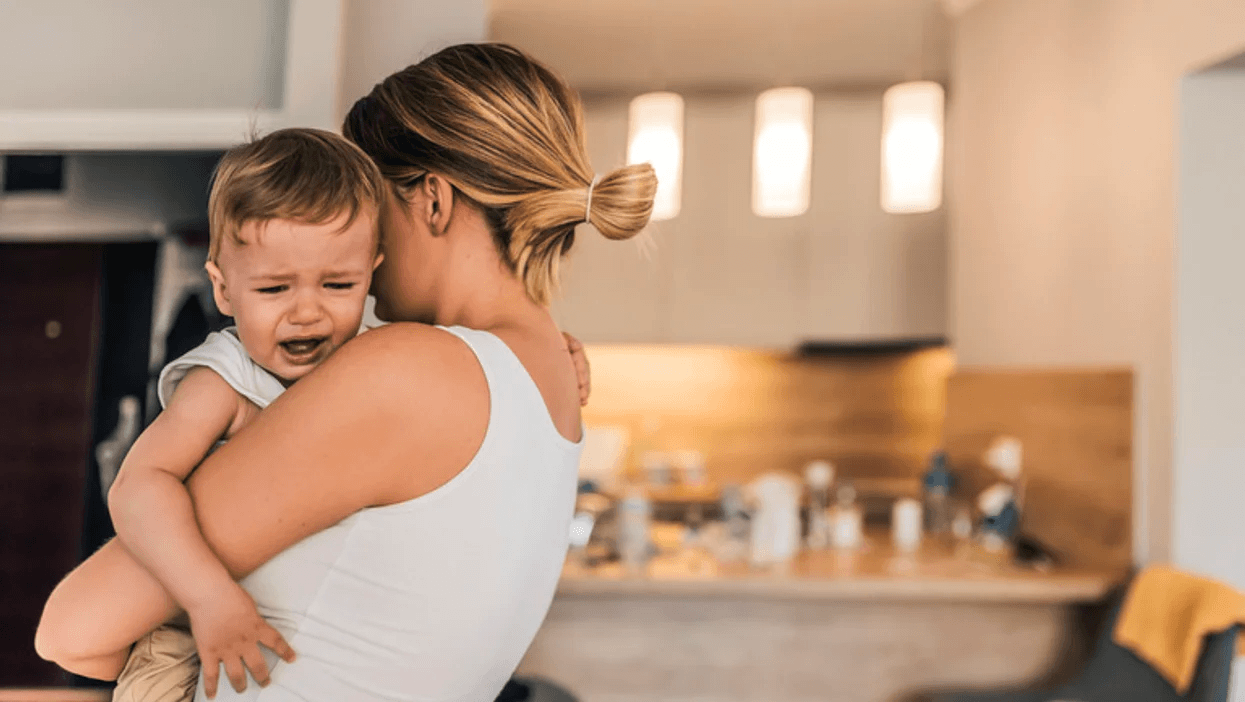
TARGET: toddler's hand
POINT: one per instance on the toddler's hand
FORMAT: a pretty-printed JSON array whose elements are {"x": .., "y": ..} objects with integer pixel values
[
  {"x": 580, "y": 359},
  {"x": 228, "y": 629}
]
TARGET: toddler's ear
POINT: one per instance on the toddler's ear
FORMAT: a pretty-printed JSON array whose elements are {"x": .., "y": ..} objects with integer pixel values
[
  {"x": 220, "y": 293},
  {"x": 379, "y": 257}
]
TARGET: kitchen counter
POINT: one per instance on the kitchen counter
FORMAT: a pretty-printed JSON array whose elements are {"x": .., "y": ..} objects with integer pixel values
[
  {"x": 867, "y": 627},
  {"x": 934, "y": 573}
]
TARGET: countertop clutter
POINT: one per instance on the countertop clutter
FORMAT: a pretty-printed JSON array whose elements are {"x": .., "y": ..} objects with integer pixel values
[
  {"x": 1017, "y": 491},
  {"x": 936, "y": 572}
]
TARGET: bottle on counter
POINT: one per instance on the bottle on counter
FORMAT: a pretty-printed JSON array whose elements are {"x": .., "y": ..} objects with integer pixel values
[
  {"x": 634, "y": 513},
  {"x": 938, "y": 483},
  {"x": 818, "y": 476},
  {"x": 736, "y": 527},
  {"x": 906, "y": 525},
  {"x": 847, "y": 521},
  {"x": 1000, "y": 503},
  {"x": 962, "y": 530}
]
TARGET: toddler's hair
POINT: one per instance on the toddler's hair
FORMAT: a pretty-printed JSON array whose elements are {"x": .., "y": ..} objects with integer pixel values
[{"x": 306, "y": 175}]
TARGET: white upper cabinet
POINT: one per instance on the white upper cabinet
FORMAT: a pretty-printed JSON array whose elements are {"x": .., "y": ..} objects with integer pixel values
[
  {"x": 181, "y": 74},
  {"x": 734, "y": 276},
  {"x": 871, "y": 275},
  {"x": 188, "y": 74},
  {"x": 842, "y": 272}
]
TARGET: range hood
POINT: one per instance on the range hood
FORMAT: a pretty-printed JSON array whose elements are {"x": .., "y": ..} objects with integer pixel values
[{"x": 870, "y": 346}]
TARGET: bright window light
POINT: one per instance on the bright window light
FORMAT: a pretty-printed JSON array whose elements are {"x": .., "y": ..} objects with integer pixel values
[
  {"x": 782, "y": 152},
  {"x": 656, "y": 137},
  {"x": 912, "y": 120}
]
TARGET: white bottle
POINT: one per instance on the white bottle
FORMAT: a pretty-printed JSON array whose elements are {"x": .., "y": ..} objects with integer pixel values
[
  {"x": 633, "y": 517},
  {"x": 906, "y": 525}
]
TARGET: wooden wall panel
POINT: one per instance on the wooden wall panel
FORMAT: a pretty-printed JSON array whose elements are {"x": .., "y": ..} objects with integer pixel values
[
  {"x": 874, "y": 415},
  {"x": 1076, "y": 427}
]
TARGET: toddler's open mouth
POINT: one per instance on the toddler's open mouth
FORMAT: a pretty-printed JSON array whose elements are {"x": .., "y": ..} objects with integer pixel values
[{"x": 304, "y": 349}]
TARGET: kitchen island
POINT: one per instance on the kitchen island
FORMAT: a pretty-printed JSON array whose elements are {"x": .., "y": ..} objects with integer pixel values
[{"x": 865, "y": 627}]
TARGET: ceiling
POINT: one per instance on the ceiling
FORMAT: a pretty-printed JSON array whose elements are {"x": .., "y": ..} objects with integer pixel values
[{"x": 636, "y": 45}]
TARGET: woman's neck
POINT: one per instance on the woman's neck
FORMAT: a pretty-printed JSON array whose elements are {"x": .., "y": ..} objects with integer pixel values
[{"x": 478, "y": 291}]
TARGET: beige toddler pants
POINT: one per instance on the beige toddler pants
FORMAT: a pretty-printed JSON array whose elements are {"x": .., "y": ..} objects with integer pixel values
[{"x": 163, "y": 667}]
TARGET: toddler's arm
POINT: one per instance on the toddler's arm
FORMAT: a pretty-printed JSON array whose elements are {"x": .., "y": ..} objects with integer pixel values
[{"x": 155, "y": 521}]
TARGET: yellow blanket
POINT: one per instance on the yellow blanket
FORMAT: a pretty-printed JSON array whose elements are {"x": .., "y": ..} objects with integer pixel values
[{"x": 1166, "y": 615}]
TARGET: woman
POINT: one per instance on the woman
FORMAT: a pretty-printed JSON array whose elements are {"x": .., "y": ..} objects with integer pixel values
[{"x": 401, "y": 514}]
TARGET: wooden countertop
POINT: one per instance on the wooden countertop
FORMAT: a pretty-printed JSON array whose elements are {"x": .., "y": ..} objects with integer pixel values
[{"x": 935, "y": 573}]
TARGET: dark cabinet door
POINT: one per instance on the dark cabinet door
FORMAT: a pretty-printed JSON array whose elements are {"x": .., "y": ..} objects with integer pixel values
[{"x": 49, "y": 322}]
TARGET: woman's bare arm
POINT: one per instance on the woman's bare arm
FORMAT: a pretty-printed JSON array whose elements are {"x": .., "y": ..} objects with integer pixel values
[{"x": 392, "y": 415}]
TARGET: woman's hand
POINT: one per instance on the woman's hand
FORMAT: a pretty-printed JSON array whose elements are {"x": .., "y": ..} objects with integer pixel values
[
  {"x": 582, "y": 372},
  {"x": 228, "y": 629}
]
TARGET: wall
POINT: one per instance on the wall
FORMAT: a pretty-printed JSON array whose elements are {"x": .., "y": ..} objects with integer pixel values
[
  {"x": 874, "y": 416},
  {"x": 385, "y": 36},
  {"x": 184, "y": 54},
  {"x": 1210, "y": 329},
  {"x": 1063, "y": 220}
]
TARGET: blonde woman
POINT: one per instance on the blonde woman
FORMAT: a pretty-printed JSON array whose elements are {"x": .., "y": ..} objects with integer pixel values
[{"x": 401, "y": 514}]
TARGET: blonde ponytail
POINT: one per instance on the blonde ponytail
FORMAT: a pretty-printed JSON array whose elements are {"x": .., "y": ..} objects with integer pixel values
[
  {"x": 508, "y": 134},
  {"x": 542, "y": 225}
]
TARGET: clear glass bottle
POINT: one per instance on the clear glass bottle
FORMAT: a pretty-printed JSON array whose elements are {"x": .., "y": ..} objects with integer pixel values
[
  {"x": 818, "y": 476},
  {"x": 847, "y": 522}
]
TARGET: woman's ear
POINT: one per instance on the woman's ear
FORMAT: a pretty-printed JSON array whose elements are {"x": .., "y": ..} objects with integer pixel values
[
  {"x": 440, "y": 204},
  {"x": 219, "y": 291}
]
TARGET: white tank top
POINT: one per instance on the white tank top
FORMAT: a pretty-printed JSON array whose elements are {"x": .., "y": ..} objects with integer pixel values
[{"x": 436, "y": 598}]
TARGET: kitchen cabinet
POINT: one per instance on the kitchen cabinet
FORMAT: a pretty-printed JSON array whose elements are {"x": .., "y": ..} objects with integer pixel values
[
  {"x": 177, "y": 76},
  {"x": 842, "y": 272},
  {"x": 49, "y": 327},
  {"x": 191, "y": 75}
]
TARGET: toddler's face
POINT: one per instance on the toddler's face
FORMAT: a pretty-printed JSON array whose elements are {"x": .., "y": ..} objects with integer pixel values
[{"x": 296, "y": 290}]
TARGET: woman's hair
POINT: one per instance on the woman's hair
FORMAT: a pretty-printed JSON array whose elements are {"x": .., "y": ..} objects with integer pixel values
[
  {"x": 307, "y": 175},
  {"x": 508, "y": 134}
]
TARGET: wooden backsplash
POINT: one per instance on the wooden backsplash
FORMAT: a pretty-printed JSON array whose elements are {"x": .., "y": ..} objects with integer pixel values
[
  {"x": 1076, "y": 428},
  {"x": 872, "y": 415}
]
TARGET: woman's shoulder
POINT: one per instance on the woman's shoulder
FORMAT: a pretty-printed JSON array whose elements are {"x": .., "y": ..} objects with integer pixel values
[
  {"x": 422, "y": 360},
  {"x": 403, "y": 346},
  {"x": 403, "y": 390}
]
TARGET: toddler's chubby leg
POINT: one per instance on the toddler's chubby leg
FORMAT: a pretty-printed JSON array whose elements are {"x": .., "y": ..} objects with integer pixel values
[{"x": 163, "y": 667}]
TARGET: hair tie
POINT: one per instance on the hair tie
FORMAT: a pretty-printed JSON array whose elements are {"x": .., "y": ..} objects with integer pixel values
[{"x": 588, "y": 204}]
